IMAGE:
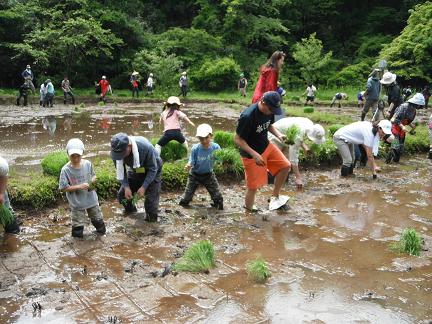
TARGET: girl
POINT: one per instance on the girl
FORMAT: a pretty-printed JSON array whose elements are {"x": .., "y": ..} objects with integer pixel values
[{"x": 171, "y": 117}]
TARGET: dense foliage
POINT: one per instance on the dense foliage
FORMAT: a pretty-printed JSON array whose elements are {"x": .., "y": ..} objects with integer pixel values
[{"x": 329, "y": 42}]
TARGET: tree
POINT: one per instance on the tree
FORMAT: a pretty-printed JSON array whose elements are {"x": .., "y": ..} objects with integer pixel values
[
  {"x": 409, "y": 54},
  {"x": 309, "y": 55}
]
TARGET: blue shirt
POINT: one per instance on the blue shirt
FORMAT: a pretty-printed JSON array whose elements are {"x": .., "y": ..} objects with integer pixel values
[
  {"x": 50, "y": 88},
  {"x": 201, "y": 159}
]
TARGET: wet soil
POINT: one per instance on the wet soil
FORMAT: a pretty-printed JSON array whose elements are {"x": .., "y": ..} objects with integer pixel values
[{"x": 329, "y": 254}]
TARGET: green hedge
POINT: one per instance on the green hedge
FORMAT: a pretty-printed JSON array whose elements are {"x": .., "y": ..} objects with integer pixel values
[{"x": 53, "y": 162}]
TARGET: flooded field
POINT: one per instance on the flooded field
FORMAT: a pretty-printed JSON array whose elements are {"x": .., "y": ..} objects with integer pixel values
[{"x": 329, "y": 254}]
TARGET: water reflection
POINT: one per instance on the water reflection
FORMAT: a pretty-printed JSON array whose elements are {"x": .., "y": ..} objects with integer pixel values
[{"x": 49, "y": 123}]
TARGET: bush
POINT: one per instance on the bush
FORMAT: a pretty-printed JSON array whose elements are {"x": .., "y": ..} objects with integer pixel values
[
  {"x": 172, "y": 151},
  {"x": 333, "y": 128},
  {"x": 35, "y": 193},
  {"x": 308, "y": 110},
  {"x": 199, "y": 257},
  {"x": 258, "y": 270},
  {"x": 53, "y": 163},
  {"x": 174, "y": 175},
  {"x": 217, "y": 74},
  {"x": 224, "y": 139},
  {"x": 228, "y": 161},
  {"x": 107, "y": 184},
  {"x": 410, "y": 242},
  {"x": 418, "y": 142}
]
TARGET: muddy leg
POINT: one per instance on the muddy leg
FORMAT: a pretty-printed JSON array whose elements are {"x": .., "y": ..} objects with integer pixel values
[
  {"x": 280, "y": 179},
  {"x": 212, "y": 186},
  {"x": 191, "y": 187},
  {"x": 95, "y": 214},
  {"x": 151, "y": 203},
  {"x": 78, "y": 221},
  {"x": 250, "y": 198}
]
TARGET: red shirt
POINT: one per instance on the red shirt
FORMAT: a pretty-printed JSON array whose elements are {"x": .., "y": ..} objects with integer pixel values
[
  {"x": 266, "y": 82},
  {"x": 104, "y": 84}
]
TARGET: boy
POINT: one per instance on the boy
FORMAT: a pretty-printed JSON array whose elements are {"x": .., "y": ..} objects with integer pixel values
[
  {"x": 75, "y": 179},
  {"x": 200, "y": 166},
  {"x": 12, "y": 227}
]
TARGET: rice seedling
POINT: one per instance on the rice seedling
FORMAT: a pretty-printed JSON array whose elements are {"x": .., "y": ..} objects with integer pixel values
[
  {"x": 333, "y": 128},
  {"x": 135, "y": 198},
  {"x": 6, "y": 216},
  {"x": 199, "y": 257},
  {"x": 410, "y": 242},
  {"x": 258, "y": 270},
  {"x": 292, "y": 134},
  {"x": 228, "y": 160},
  {"x": 308, "y": 110},
  {"x": 224, "y": 139},
  {"x": 172, "y": 151},
  {"x": 101, "y": 103},
  {"x": 53, "y": 163}
]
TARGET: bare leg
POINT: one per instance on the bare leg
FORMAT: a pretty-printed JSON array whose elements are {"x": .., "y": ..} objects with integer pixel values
[
  {"x": 250, "y": 198},
  {"x": 280, "y": 179}
]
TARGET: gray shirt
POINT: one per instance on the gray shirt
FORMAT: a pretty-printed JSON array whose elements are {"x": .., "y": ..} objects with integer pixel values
[
  {"x": 69, "y": 176},
  {"x": 373, "y": 89}
]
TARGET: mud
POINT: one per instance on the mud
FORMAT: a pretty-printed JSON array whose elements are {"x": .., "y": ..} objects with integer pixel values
[{"x": 329, "y": 254}]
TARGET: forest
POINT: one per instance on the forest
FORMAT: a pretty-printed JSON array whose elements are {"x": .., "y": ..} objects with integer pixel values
[{"x": 331, "y": 43}]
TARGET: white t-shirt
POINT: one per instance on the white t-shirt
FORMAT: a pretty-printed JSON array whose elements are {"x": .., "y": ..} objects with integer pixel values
[
  {"x": 359, "y": 133},
  {"x": 310, "y": 91},
  {"x": 150, "y": 82},
  {"x": 4, "y": 167}
]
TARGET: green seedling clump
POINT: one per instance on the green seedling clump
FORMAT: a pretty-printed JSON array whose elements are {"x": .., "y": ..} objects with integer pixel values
[
  {"x": 6, "y": 216},
  {"x": 101, "y": 103},
  {"x": 228, "y": 160},
  {"x": 171, "y": 152},
  {"x": 174, "y": 175},
  {"x": 292, "y": 133},
  {"x": 334, "y": 128},
  {"x": 224, "y": 139},
  {"x": 258, "y": 270},
  {"x": 199, "y": 257},
  {"x": 410, "y": 242},
  {"x": 308, "y": 110},
  {"x": 53, "y": 163},
  {"x": 135, "y": 198}
]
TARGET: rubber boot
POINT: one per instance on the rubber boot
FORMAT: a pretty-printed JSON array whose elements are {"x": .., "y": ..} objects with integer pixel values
[
  {"x": 345, "y": 171},
  {"x": 78, "y": 231},
  {"x": 129, "y": 207},
  {"x": 17, "y": 102},
  {"x": 363, "y": 115},
  {"x": 218, "y": 204},
  {"x": 12, "y": 228},
  {"x": 99, "y": 225},
  {"x": 351, "y": 168},
  {"x": 430, "y": 155},
  {"x": 396, "y": 155},
  {"x": 151, "y": 218}
]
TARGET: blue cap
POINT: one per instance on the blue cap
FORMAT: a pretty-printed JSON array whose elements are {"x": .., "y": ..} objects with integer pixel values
[
  {"x": 273, "y": 100},
  {"x": 119, "y": 144}
]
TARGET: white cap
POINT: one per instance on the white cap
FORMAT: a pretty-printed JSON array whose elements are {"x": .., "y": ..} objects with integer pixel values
[
  {"x": 28, "y": 66},
  {"x": 103, "y": 77},
  {"x": 203, "y": 130},
  {"x": 174, "y": 100},
  {"x": 151, "y": 74},
  {"x": 388, "y": 78},
  {"x": 75, "y": 146},
  {"x": 316, "y": 134},
  {"x": 184, "y": 72},
  {"x": 386, "y": 126},
  {"x": 417, "y": 99},
  {"x": 4, "y": 167}
]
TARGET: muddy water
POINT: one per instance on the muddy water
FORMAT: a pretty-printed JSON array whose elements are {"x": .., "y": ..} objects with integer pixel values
[{"x": 329, "y": 254}]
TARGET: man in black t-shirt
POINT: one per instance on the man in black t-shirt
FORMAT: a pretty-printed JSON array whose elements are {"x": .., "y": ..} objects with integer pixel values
[{"x": 258, "y": 154}]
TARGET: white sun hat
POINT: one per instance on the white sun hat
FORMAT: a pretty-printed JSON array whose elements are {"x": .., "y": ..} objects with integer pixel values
[
  {"x": 75, "y": 146},
  {"x": 204, "y": 130},
  {"x": 418, "y": 99},
  {"x": 388, "y": 78},
  {"x": 386, "y": 126},
  {"x": 4, "y": 167},
  {"x": 174, "y": 100},
  {"x": 316, "y": 134}
]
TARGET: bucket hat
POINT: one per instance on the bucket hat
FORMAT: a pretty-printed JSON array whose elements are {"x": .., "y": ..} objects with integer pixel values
[
  {"x": 174, "y": 100},
  {"x": 316, "y": 134},
  {"x": 418, "y": 99},
  {"x": 388, "y": 78}
]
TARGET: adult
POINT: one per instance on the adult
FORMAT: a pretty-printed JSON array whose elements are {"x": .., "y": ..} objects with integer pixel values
[
  {"x": 183, "y": 84},
  {"x": 426, "y": 94},
  {"x": 104, "y": 88},
  {"x": 306, "y": 128},
  {"x": 394, "y": 97},
  {"x": 407, "y": 92},
  {"x": 310, "y": 93},
  {"x": 28, "y": 76},
  {"x": 139, "y": 157},
  {"x": 12, "y": 226},
  {"x": 402, "y": 123},
  {"x": 269, "y": 74},
  {"x": 23, "y": 93},
  {"x": 150, "y": 84},
  {"x": 339, "y": 96},
  {"x": 49, "y": 97},
  {"x": 372, "y": 93},
  {"x": 67, "y": 90},
  {"x": 258, "y": 154},
  {"x": 42, "y": 92},
  {"x": 134, "y": 80},
  {"x": 242, "y": 85},
  {"x": 362, "y": 133}
]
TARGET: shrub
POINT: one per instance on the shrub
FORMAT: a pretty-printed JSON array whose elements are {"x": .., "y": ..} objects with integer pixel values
[
  {"x": 35, "y": 193},
  {"x": 107, "y": 184},
  {"x": 410, "y": 242},
  {"x": 258, "y": 270},
  {"x": 174, "y": 175},
  {"x": 172, "y": 151},
  {"x": 292, "y": 133},
  {"x": 228, "y": 160},
  {"x": 199, "y": 257},
  {"x": 53, "y": 163},
  {"x": 224, "y": 139},
  {"x": 308, "y": 110},
  {"x": 217, "y": 74},
  {"x": 333, "y": 128}
]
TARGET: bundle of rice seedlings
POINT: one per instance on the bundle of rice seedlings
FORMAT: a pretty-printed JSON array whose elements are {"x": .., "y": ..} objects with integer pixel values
[
  {"x": 228, "y": 160},
  {"x": 53, "y": 162},
  {"x": 258, "y": 270},
  {"x": 224, "y": 139},
  {"x": 6, "y": 216},
  {"x": 135, "y": 198},
  {"x": 410, "y": 242},
  {"x": 199, "y": 257},
  {"x": 308, "y": 110},
  {"x": 292, "y": 134}
]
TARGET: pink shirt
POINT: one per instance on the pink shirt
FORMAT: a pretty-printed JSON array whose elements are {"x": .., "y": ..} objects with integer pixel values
[{"x": 173, "y": 122}]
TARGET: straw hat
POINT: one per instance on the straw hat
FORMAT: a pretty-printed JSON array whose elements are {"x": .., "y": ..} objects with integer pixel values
[{"x": 174, "y": 100}]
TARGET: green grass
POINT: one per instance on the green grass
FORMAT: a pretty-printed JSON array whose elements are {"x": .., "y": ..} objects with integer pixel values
[
  {"x": 410, "y": 242},
  {"x": 53, "y": 162},
  {"x": 199, "y": 257},
  {"x": 228, "y": 161},
  {"x": 320, "y": 117},
  {"x": 292, "y": 133},
  {"x": 308, "y": 110},
  {"x": 6, "y": 216},
  {"x": 258, "y": 270},
  {"x": 224, "y": 139}
]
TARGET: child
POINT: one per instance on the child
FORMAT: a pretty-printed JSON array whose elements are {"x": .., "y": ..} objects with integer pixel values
[
  {"x": 12, "y": 226},
  {"x": 200, "y": 166},
  {"x": 430, "y": 137},
  {"x": 76, "y": 178},
  {"x": 171, "y": 117}
]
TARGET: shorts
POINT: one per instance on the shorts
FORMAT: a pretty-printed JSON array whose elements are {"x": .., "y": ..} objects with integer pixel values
[
  {"x": 171, "y": 135},
  {"x": 310, "y": 98},
  {"x": 256, "y": 176}
]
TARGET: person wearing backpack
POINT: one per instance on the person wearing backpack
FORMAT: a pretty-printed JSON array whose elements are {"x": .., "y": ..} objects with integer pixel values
[{"x": 242, "y": 85}]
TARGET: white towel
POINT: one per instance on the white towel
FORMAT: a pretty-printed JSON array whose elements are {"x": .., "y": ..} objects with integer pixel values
[{"x": 136, "y": 161}]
